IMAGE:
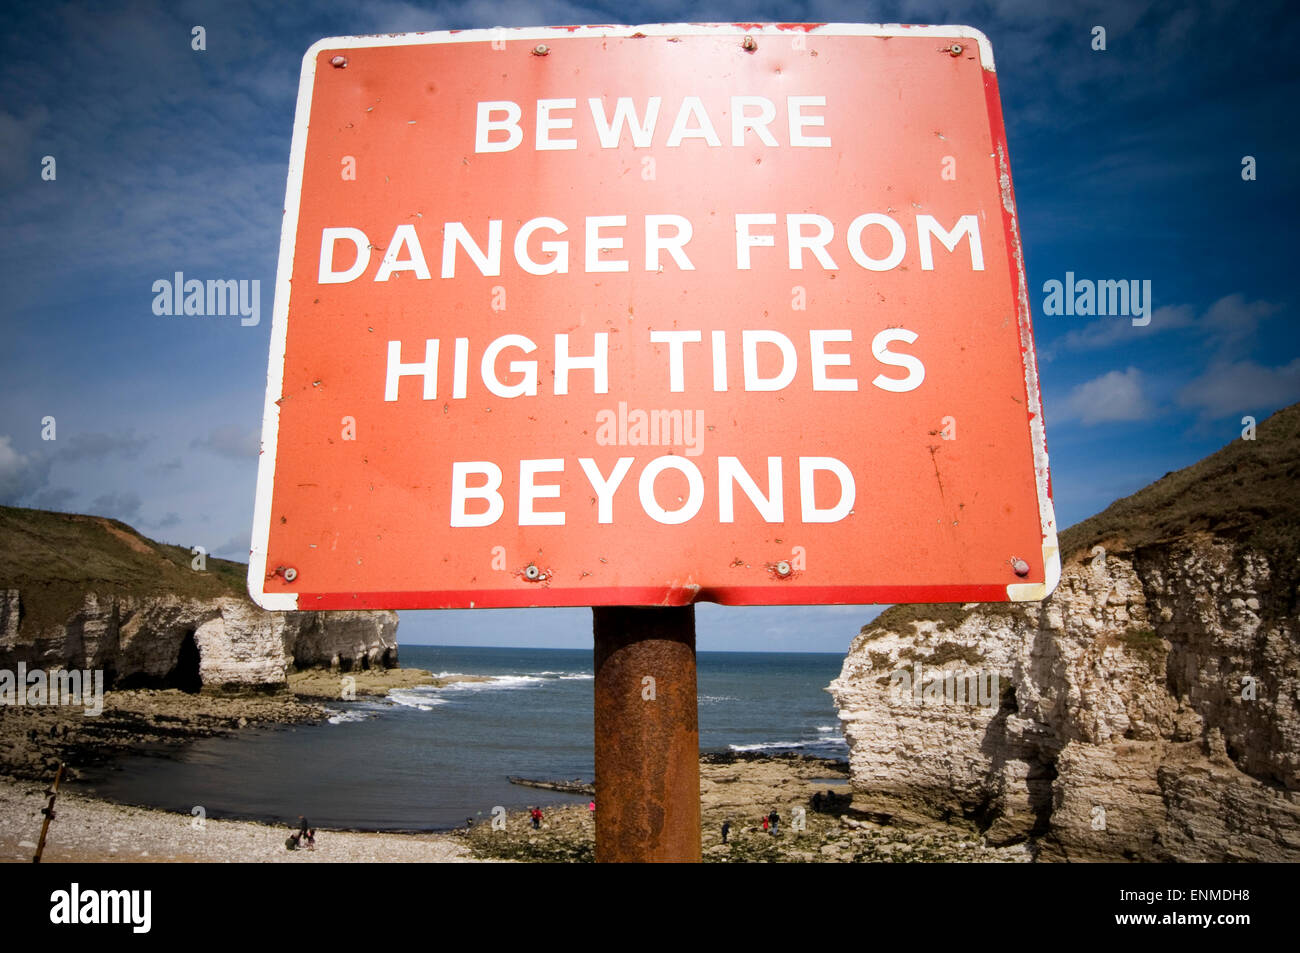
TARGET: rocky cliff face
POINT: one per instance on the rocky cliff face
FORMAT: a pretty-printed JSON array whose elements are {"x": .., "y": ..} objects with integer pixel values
[
  {"x": 86, "y": 592},
  {"x": 224, "y": 643},
  {"x": 1149, "y": 709}
]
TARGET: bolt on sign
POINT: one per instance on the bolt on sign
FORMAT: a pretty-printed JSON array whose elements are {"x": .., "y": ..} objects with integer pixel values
[{"x": 650, "y": 315}]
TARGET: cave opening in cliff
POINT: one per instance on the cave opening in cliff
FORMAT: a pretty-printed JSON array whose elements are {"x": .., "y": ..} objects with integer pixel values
[{"x": 185, "y": 674}]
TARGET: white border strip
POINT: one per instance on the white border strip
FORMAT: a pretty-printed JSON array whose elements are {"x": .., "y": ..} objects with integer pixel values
[
  {"x": 654, "y": 29},
  {"x": 279, "y": 332}
]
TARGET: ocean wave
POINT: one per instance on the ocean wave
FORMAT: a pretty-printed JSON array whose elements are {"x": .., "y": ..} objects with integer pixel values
[
  {"x": 506, "y": 681},
  {"x": 490, "y": 683},
  {"x": 825, "y": 743},
  {"x": 425, "y": 697},
  {"x": 344, "y": 717},
  {"x": 420, "y": 697},
  {"x": 827, "y": 727},
  {"x": 528, "y": 680},
  {"x": 711, "y": 699}
]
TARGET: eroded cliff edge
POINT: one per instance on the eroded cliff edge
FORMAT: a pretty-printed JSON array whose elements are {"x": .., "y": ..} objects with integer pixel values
[
  {"x": 87, "y": 592},
  {"x": 1149, "y": 709}
]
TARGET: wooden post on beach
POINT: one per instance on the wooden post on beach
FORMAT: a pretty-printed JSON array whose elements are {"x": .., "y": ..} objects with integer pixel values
[
  {"x": 647, "y": 735},
  {"x": 48, "y": 811}
]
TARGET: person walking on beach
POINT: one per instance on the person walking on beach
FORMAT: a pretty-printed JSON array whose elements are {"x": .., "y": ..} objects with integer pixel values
[
  {"x": 765, "y": 823},
  {"x": 775, "y": 818},
  {"x": 304, "y": 833},
  {"x": 536, "y": 815},
  {"x": 726, "y": 829}
]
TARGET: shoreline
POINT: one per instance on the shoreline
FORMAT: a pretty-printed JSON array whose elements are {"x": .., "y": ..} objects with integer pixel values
[
  {"x": 89, "y": 829},
  {"x": 93, "y": 830},
  {"x": 740, "y": 786},
  {"x": 34, "y": 739}
]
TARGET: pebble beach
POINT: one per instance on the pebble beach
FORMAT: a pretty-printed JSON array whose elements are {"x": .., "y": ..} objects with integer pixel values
[{"x": 88, "y": 830}]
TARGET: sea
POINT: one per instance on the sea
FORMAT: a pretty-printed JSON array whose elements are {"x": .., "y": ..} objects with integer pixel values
[{"x": 430, "y": 758}]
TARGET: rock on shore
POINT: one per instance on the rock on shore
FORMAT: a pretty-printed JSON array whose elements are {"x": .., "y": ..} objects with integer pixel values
[{"x": 742, "y": 789}]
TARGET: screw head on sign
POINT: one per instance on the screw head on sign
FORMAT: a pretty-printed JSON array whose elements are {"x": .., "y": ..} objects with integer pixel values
[
  {"x": 783, "y": 568},
  {"x": 541, "y": 49},
  {"x": 338, "y": 62},
  {"x": 1019, "y": 567},
  {"x": 532, "y": 573},
  {"x": 955, "y": 49},
  {"x": 749, "y": 44},
  {"x": 290, "y": 574}
]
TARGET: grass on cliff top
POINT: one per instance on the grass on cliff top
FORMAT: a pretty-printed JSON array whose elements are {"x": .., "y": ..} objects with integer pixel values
[
  {"x": 1248, "y": 491},
  {"x": 55, "y": 558}
]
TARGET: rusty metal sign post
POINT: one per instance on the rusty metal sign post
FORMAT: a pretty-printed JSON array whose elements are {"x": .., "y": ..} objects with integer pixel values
[
  {"x": 622, "y": 316},
  {"x": 647, "y": 735}
]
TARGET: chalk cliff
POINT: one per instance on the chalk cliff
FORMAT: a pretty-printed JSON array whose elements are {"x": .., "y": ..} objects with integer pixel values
[
  {"x": 1147, "y": 710},
  {"x": 87, "y": 592}
]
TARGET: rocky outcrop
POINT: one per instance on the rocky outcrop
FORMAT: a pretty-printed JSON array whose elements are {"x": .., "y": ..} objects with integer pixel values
[
  {"x": 80, "y": 591},
  {"x": 1147, "y": 710},
  {"x": 225, "y": 643}
]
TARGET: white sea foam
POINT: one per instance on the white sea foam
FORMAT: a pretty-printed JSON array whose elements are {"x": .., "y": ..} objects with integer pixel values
[
  {"x": 507, "y": 681},
  {"x": 419, "y": 697},
  {"x": 343, "y": 717},
  {"x": 493, "y": 682},
  {"x": 426, "y": 696},
  {"x": 789, "y": 745}
]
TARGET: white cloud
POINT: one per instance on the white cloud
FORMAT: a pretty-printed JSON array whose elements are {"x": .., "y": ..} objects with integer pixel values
[
  {"x": 21, "y": 156},
  {"x": 21, "y": 474},
  {"x": 1115, "y": 396},
  {"x": 233, "y": 441},
  {"x": 1231, "y": 322},
  {"x": 235, "y": 548},
  {"x": 54, "y": 498},
  {"x": 124, "y": 506},
  {"x": 1228, "y": 325},
  {"x": 1113, "y": 330},
  {"x": 92, "y": 445},
  {"x": 1242, "y": 387}
]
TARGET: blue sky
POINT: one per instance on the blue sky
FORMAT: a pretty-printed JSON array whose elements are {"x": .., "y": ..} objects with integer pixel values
[{"x": 1127, "y": 165}]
